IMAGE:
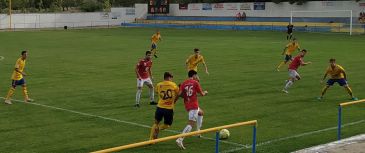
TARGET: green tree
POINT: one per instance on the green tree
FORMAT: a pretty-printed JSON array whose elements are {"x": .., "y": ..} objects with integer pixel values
[{"x": 106, "y": 5}]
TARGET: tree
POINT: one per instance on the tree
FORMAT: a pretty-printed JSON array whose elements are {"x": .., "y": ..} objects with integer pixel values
[{"x": 107, "y": 6}]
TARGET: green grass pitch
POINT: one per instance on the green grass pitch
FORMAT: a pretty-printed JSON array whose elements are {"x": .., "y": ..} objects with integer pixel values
[{"x": 76, "y": 75}]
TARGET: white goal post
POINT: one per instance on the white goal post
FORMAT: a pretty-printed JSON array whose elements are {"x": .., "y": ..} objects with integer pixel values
[{"x": 345, "y": 13}]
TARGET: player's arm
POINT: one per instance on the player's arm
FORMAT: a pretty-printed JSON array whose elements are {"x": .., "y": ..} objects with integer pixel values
[
  {"x": 286, "y": 47},
  {"x": 203, "y": 93},
  {"x": 177, "y": 94},
  {"x": 16, "y": 69},
  {"x": 139, "y": 77},
  {"x": 187, "y": 63},
  {"x": 344, "y": 74},
  {"x": 304, "y": 63},
  {"x": 324, "y": 77},
  {"x": 205, "y": 66},
  {"x": 23, "y": 73},
  {"x": 180, "y": 93},
  {"x": 200, "y": 91},
  {"x": 150, "y": 72}
]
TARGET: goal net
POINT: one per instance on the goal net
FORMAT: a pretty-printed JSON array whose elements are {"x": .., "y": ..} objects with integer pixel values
[{"x": 325, "y": 21}]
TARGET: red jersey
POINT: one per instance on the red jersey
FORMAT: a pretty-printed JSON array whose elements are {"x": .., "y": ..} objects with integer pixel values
[
  {"x": 190, "y": 88},
  {"x": 143, "y": 67},
  {"x": 294, "y": 65}
]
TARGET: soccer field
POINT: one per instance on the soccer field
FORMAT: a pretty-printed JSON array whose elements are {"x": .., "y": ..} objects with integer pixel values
[{"x": 84, "y": 85}]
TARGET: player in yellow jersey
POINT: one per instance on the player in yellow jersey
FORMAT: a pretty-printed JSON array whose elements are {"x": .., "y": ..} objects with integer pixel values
[
  {"x": 168, "y": 95},
  {"x": 18, "y": 79},
  {"x": 193, "y": 61},
  {"x": 337, "y": 74},
  {"x": 154, "y": 39},
  {"x": 288, "y": 50}
]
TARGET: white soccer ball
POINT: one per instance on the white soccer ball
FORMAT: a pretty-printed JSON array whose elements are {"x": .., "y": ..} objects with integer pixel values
[{"x": 223, "y": 134}]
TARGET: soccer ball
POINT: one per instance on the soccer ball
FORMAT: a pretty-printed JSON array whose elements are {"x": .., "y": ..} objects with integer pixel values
[{"x": 223, "y": 134}]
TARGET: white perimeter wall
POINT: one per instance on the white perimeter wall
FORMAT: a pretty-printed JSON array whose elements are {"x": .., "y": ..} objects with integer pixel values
[
  {"x": 271, "y": 9},
  {"x": 51, "y": 20}
]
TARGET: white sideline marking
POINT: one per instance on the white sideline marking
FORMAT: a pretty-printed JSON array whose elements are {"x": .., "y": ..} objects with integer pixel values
[
  {"x": 1, "y": 58},
  {"x": 242, "y": 146},
  {"x": 295, "y": 136},
  {"x": 120, "y": 121}
]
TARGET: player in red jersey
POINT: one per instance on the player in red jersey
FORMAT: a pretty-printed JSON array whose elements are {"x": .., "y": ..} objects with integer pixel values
[
  {"x": 144, "y": 75},
  {"x": 189, "y": 90},
  {"x": 294, "y": 65}
]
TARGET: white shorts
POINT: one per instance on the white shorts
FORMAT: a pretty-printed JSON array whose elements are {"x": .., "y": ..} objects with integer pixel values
[
  {"x": 293, "y": 73},
  {"x": 140, "y": 82},
  {"x": 193, "y": 114}
]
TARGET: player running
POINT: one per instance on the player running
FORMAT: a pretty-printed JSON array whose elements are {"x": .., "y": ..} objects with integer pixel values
[
  {"x": 294, "y": 65},
  {"x": 144, "y": 76},
  {"x": 289, "y": 28},
  {"x": 193, "y": 61},
  {"x": 189, "y": 90},
  {"x": 288, "y": 50},
  {"x": 337, "y": 74},
  {"x": 154, "y": 39},
  {"x": 18, "y": 79},
  {"x": 168, "y": 95}
]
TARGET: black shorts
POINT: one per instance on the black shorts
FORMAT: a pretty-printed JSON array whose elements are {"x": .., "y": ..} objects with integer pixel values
[
  {"x": 287, "y": 58},
  {"x": 166, "y": 114},
  {"x": 15, "y": 83},
  {"x": 289, "y": 32}
]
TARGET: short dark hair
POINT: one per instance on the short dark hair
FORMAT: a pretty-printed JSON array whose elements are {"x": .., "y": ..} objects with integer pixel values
[
  {"x": 332, "y": 60},
  {"x": 148, "y": 52},
  {"x": 23, "y": 52},
  {"x": 196, "y": 49},
  {"x": 191, "y": 73},
  {"x": 167, "y": 75},
  {"x": 304, "y": 50}
]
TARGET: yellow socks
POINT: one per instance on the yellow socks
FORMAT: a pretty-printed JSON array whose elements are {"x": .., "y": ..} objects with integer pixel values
[
  {"x": 154, "y": 132},
  {"x": 348, "y": 89},
  {"x": 10, "y": 93},
  {"x": 25, "y": 93},
  {"x": 280, "y": 65},
  {"x": 324, "y": 90}
]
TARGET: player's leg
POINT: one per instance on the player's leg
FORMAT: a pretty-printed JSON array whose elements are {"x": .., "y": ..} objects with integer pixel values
[
  {"x": 343, "y": 83},
  {"x": 25, "y": 91},
  {"x": 290, "y": 35},
  {"x": 168, "y": 119},
  {"x": 329, "y": 83},
  {"x": 286, "y": 59},
  {"x": 293, "y": 75},
  {"x": 11, "y": 92},
  {"x": 193, "y": 115},
  {"x": 155, "y": 127},
  {"x": 139, "y": 91},
  {"x": 199, "y": 121},
  {"x": 154, "y": 49},
  {"x": 152, "y": 91}
]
